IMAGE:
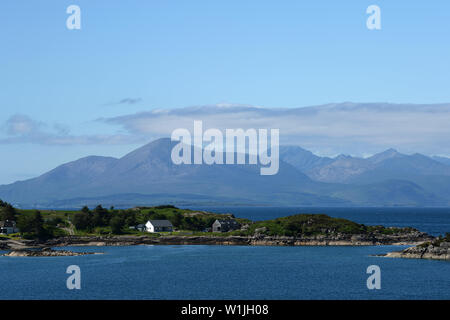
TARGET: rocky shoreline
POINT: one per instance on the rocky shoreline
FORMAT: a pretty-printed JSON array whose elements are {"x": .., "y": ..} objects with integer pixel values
[
  {"x": 44, "y": 252},
  {"x": 413, "y": 238},
  {"x": 436, "y": 251},
  {"x": 35, "y": 248}
]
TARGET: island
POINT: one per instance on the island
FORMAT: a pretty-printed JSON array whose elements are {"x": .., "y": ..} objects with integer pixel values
[{"x": 169, "y": 225}]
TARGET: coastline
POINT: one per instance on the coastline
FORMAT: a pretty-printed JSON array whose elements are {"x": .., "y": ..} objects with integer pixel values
[
  {"x": 418, "y": 242},
  {"x": 256, "y": 240}
]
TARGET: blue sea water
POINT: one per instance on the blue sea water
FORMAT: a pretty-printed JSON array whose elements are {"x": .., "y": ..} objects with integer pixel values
[
  {"x": 225, "y": 272},
  {"x": 238, "y": 272}
]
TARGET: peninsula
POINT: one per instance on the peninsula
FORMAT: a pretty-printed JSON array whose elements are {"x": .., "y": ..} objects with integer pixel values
[{"x": 111, "y": 227}]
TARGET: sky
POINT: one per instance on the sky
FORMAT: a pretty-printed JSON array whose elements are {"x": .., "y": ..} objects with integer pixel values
[{"x": 138, "y": 69}]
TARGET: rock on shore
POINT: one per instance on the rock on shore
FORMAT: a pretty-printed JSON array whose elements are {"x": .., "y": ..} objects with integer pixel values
[
  {"x": 436, "y": 250},
  {"x": 45, "y": 252}
]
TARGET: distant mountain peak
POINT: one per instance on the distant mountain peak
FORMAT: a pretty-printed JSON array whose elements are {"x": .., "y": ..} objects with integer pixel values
[
  {"x": 343, "y": 157},
  {"x": 294, "y": 149},
  {"x": 387, "y": 154},
  {"x": 161, "y": 145}
]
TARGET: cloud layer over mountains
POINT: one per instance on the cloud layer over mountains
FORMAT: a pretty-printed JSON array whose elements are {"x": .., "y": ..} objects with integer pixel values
[
  {"x": 332, "y": 129},
  {"x": 349, "y": 128}
]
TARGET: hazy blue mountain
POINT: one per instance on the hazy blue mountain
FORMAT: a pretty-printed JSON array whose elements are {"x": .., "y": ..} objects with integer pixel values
[
  {"x": 302, "y": 159},
  {"x": 389, "y": 175},
  {"x": 388, "y": 154},
  {"x": 324, "y": 169},
  {"x": 148, "y": 176},
  {"x": 402, "y": 167},
  {"x": 149, "y": 171},
  {"x": 340, "y": 169},
  {"x": 337, "y": 170},
  {"x": 60, "y": 182},
  {"x": 443, "y": 160},
  {"x": 389, "y": 164},
  {"x": 432, "y": 176},
  {"x": 390, "y": 193}
]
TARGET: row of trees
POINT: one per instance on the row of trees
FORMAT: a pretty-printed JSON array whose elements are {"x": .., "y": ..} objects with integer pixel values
[
  {"x": 119, "y": 220},
  {"x": 100, "y": 217},
  {"x": 33, "y": 225}
]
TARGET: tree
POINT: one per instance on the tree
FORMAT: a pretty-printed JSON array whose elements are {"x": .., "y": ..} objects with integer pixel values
[
  {"x": 130, "y": 218},
  {"x": 100, "y": 217},
  {"x": 7, "y": 212},
  {"x": 177, "y": 220},
  {"x": 159, "y": 216},
  {"x": 117, "y": 223},
  {"x": 24, "y": 223},
  {"x": 100, "y": 209},
  {"x": 37, "y": 225},
  {"x": 81, "y": 220},
  {"x": 33, "y": 226}
]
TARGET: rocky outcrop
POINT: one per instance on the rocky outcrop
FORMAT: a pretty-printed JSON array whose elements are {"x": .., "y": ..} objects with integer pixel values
[
  {"x": 436, "y": 250},
  {"x": 45, "y": 252}
]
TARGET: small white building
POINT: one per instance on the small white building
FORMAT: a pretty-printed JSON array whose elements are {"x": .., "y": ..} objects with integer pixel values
[
  {"x": 8, "y": 227},
  {"x": 158, "y": 226}
]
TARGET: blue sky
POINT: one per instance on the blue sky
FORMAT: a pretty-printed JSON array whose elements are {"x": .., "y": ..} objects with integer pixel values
[{"x": 175, "y": 54}]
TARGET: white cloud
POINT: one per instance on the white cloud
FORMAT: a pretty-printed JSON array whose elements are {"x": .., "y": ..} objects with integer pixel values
[
  {"x": 350, "y": 128},
  {"x": 22, "y": 129},
  {"x": 21, "y": 125}
]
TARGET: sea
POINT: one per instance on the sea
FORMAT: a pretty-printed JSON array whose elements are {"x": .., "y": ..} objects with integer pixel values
[{"x": 241, "y": 272}]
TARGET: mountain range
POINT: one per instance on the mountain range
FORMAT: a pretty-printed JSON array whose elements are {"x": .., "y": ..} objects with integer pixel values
[{"x": 147, "y": 176}]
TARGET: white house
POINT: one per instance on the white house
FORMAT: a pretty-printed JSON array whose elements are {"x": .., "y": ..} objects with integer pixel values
[
  {"x": 8, "y": 227},
  {"x": 158, "y": 226}
]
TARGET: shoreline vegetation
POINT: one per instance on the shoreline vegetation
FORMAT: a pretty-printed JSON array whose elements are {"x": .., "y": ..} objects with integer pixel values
[{"x": 42, "y": 230}]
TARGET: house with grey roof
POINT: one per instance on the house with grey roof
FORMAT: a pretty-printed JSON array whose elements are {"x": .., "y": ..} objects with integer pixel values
[
  {"x": 158, "y": 226},
  {"x": 8, "y": 227},
  {"x": 225, "y": 225}
]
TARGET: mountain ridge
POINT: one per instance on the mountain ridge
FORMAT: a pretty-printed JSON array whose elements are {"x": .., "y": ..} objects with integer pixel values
[{"x": 386, "y": 178}]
